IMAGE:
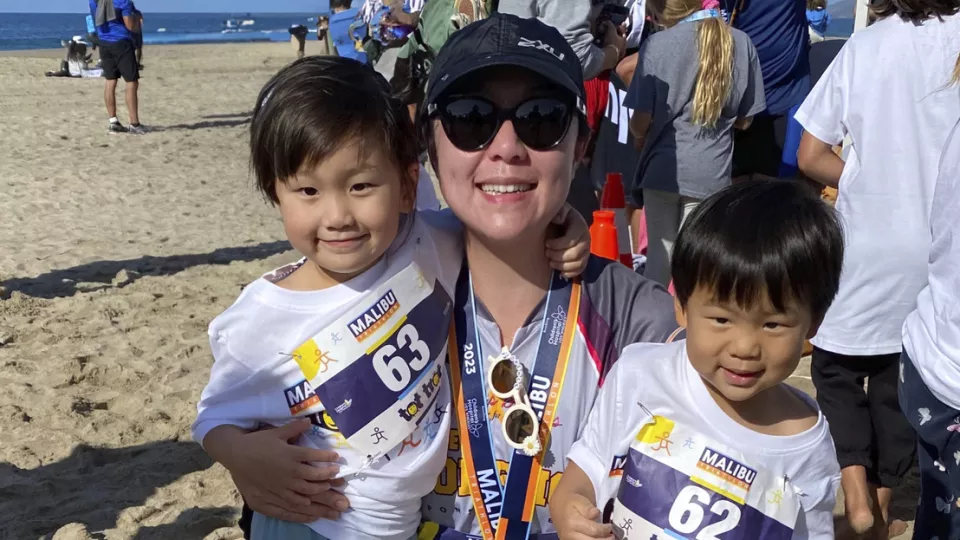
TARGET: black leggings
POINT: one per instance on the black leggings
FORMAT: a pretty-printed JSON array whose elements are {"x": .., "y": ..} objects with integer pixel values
[{"x": 868, "y": 427}]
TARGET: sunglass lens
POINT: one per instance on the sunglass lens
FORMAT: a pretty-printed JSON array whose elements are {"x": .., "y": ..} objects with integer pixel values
[
  {"x": 469, "y": 123},
  {"x": 542, "y": 123},
  {"x": 503, "y": 376},
  {"x": 519, "y": 425}
]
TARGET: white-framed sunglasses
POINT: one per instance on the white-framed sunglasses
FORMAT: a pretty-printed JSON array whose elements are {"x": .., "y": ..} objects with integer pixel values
[{"x": 519, "y": 423}]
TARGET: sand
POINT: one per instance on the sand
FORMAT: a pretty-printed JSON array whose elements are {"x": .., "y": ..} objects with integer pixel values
[{"x": 115, "y": 253}]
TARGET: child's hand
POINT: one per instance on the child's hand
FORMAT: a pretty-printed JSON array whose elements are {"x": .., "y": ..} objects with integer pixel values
[
  {"x": 569, "y": 253},
  {"x": 275, "y": 477},
  {"x": 578, "y": 520}
]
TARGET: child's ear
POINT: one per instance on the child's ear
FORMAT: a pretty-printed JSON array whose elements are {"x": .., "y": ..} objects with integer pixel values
[
  {"x": 408, "y": 191},
  {"x": 679, "y": 312},
  {"x": 814, "y": 328}
]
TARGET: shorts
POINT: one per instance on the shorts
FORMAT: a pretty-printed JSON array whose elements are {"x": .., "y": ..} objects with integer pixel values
[
  {"x": 768, "y": 147},
  {"x": 267, "y": 528},
  {"x": 119, "y": 59}
]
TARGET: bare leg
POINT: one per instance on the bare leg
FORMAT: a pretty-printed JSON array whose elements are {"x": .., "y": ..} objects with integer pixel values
[
  {"x": 857, "y": 499},
  {"x": 110, "y": 97},
  {"x": 131, "y": 94},
  {"x": 881, "y": 513}
]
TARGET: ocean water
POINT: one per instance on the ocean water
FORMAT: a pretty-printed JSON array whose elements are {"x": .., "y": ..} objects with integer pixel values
[{"x": 44, "y": 31}]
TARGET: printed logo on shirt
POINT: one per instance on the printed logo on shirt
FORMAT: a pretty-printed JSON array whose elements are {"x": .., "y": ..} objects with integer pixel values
[
  {"x": 726, "y": 468},
  {"x": 300, "y": 397},
  {"x": 618, "y": 463},
  {"x": 322, "y": 420},
  {"x": 427, "y": 390},
  {"x": 374, "y": 317},
  {"x": 344, "y": 406}
]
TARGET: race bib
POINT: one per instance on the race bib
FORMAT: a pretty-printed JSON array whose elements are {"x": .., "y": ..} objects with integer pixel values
[
  {"x": 378, "y": 369},
  {"x": 678, "y": 484}
]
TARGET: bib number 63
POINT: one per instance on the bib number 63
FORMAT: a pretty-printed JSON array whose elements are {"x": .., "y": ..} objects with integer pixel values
[
  {"x": 687, "y": 514},
  {"x": 394, "y": 369}
]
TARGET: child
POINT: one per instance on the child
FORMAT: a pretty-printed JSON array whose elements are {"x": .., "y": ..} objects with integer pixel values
[
  {"x": 889, "y": 91},
  {"x": 704, "y": 433},
  {"x": 694, "y": 82},
  {"x": 817, "y": 19},
  {"x": 353, "y": 336}
]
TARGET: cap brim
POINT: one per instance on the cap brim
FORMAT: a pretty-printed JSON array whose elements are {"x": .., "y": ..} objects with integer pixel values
[{"x": 546, "y": 70}]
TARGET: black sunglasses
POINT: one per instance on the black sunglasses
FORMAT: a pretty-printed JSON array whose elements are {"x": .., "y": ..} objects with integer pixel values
[{"x": 471, "y": 123}]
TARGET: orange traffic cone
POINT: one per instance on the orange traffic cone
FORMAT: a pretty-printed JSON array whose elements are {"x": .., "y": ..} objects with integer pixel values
[
  {"x": 603, "y": 235},
  {"x": 613, "y": 199}
]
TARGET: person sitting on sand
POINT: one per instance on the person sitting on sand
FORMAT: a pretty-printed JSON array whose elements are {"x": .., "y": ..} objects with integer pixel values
[{"x": 353, "y": 336}]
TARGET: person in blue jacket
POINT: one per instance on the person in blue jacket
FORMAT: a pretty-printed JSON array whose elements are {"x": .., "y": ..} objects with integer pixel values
[{"x": 818, "y": 19}]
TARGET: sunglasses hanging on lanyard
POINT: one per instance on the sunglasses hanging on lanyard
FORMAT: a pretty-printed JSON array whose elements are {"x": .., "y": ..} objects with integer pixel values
[{"x": 506, "y": 511}]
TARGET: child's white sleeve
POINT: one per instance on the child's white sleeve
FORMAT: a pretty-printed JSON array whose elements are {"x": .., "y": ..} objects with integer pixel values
[
  {"x": 603, "y": 437},
  {"x": 231, "y": 396},
  {"x": 825, "y": 111},
  {"x": 818, "y": 485}
]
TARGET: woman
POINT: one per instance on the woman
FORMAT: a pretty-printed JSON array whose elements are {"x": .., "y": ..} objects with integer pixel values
[{"x": 504, "y": 125}]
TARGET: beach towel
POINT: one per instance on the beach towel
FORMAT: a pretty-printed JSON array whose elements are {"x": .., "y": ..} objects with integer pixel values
[{"x": 105, "y": 12}]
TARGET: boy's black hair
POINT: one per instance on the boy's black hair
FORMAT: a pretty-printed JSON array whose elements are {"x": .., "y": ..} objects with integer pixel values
[
  {"x": 759, "y": 239},
  {"x": 314, "y": 106},
  {"x": 915, "y": 11},
  {"x": 340, "y": 4}
]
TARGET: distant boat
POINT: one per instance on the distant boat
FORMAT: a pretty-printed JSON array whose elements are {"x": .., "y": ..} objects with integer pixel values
[
  {"x": 234, "y": 25},
  {"x": 161, "y": 29}
]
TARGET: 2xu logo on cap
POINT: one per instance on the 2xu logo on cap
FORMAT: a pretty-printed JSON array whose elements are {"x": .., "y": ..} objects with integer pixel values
[
  {"x": 727, "y": 469},
  {"x": 375, "y": 316},
  {"x": 540, "y": 46}
]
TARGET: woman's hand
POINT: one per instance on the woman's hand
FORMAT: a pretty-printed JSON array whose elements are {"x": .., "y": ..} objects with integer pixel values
[
  {"x": 277, "y": 478},
  {"x": 569, "y": 253}
]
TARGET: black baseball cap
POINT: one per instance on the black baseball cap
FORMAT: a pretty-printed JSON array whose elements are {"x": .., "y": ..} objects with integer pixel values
[{"x": 507, "y": 40}]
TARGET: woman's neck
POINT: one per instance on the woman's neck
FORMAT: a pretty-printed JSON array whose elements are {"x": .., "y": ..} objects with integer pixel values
[{"x": 509, "y": 280}]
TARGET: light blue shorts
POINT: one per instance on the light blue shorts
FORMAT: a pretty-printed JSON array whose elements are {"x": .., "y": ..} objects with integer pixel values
[{"x": 267, "y": 528}]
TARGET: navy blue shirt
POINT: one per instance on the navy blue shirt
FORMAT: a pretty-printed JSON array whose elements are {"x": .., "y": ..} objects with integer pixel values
[
  {"x": 113, "y": 31},
  {"x": 778, "y": 29}
]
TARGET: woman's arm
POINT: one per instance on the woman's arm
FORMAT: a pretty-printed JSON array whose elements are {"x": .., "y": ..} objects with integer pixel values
[
  {"x": 818, "y": 161},
  {"x": 639, "y": 127}
]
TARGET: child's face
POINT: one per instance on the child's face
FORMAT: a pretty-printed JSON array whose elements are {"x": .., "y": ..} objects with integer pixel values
[
  {"x": 742, "y": 352},
  {"x": 343, "y": 213}
]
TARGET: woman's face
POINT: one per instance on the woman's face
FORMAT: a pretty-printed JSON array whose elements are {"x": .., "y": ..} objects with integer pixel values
[{"x": 506, "y": 191}]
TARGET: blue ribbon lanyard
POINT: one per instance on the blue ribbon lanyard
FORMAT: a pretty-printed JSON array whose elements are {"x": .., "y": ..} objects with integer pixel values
[{"x": 508, "y": 501}]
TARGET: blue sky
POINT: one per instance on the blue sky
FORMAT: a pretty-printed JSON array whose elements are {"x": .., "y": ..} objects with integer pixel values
[{"x": 173, "y": 6}]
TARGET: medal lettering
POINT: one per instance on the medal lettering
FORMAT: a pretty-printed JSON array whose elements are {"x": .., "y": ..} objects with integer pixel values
[
  {"x": 538, "y": 394},
  {"x": 470, "y": 365},
  {"x": 490, "y": 488}
]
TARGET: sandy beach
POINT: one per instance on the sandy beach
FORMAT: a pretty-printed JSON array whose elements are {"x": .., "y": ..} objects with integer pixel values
[{"x": 115, "y": 253}]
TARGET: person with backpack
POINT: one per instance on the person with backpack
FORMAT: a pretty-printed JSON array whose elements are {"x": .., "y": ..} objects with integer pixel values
[{"x": 438, "y": 20}]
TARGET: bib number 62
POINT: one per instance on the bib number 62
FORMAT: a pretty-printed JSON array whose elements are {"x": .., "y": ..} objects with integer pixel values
[
  {"x": 395, "y": 370},
  {"x": 687, "y": 514}
]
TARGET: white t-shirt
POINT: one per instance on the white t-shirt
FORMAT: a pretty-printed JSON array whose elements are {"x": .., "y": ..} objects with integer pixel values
[
  {"x": 888, "y": 91},
  {"x": 255, "y": 380},
  {"x": 931, "y": 335},
  {"x": 661, "y": 378},
  {"x": 638, "y": 16}
]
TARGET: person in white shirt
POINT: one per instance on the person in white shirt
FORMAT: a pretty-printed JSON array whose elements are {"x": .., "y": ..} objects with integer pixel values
[
  {"x": 703, "y": 437},
  {"x": 353, "y": 336},
  {"x": 930, "y": 365},
  {"x": 888, "y": 92}
]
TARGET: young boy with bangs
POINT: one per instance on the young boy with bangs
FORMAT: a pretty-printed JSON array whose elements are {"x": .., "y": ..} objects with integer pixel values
[{"x": 702, "y": 438}]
